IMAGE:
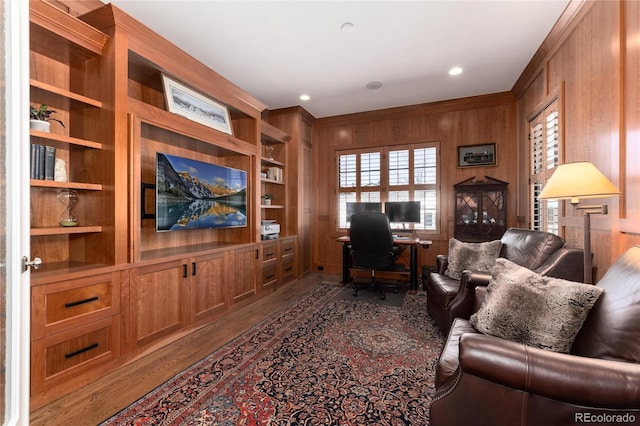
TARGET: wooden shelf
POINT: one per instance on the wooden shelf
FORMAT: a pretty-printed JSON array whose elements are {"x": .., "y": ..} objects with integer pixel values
[
  {"x": 277, "y": 182},
  {"x": 66, "y": 185},
  {"x": 66, "y": 140},
  {"x": 74, "y": 100},
  {"x": 62, "y": 36},
  {"x": 64, "y": 230},
  {"x": 271, "y": 161},
  {"x": 272, "y": 134}
]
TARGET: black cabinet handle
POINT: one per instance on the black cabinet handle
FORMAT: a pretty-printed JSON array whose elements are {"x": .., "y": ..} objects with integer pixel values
[
  {"x": 79, "y": 351},
  {"x": 81, "y": 302},
  {"x": 184, "y": 271},
  {"x": 193, "y": 268}
]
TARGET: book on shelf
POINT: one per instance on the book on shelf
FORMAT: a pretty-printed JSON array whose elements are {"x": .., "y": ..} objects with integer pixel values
[{"x": 49, "y": 162}]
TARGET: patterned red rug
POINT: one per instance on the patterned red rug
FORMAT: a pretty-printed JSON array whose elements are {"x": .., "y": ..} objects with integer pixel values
[{"x": 318, "y": 361}]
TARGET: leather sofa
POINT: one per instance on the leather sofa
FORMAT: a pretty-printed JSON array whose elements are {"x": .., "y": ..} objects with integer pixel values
[
  {"x": 542, "y": 252},
  {"x": 485, "y": 380}
]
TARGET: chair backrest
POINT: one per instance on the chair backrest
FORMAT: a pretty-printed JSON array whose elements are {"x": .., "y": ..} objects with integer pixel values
[
  {"x": 529, "y": 248},
  {"x": 371, "y": 240},
  {"x": 612, "y": 329}
]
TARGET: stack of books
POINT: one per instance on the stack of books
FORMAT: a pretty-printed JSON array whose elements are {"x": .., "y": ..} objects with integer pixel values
[{"x": 43, "y": 161}]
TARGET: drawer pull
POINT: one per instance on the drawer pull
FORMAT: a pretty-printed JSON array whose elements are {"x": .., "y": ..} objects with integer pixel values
[
  {"x": 289, "y": 269},
  {"x": 81, "y": 302},
  {"x": 79, "y": 351},
  {"x": 269, "y": 277}
]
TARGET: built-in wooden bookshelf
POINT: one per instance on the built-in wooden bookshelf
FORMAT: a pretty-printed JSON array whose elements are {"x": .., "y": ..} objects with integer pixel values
[{"x": 113, "y": 287}]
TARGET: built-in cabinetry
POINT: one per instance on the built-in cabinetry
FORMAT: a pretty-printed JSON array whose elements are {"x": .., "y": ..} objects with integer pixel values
[
  {"x": 480, "y": 209},
  {"x": 114, "y": 286}
]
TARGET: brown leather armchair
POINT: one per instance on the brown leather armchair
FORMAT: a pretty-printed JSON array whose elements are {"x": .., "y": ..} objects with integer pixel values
[
  {"x": 485, "y": 380},
  {"x": 542, "y": 252}
]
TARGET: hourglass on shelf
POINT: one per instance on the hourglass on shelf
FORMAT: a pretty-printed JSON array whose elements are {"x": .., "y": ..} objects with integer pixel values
[{"x": 69, "y": 198}]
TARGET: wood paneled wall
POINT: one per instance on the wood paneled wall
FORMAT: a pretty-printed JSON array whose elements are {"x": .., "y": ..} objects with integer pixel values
[
  {"x": 595, "y": 55},
  {"x": 476, "y": 120}
]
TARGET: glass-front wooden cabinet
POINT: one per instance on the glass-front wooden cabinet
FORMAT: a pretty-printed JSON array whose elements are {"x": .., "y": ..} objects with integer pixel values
[{"x": 480, "y": 209}]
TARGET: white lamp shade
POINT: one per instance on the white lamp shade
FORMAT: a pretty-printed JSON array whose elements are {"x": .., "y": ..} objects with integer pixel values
[{"x": 576, "y": 181}]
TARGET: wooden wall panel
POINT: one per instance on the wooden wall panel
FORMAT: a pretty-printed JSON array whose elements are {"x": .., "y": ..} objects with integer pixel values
[
  {"x": 470, "y": 121},
  {"x": 597, "y": 60}
]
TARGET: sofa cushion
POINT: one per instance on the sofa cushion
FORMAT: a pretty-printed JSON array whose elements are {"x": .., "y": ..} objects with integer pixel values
[
  {"x": 477, "y": 256},
  {"x": 538, "y": 311},
  {"x": 612, "y": 329},
  {"x": 529, "y": 248}
]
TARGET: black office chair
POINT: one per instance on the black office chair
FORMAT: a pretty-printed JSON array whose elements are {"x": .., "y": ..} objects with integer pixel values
[{"x": 372, "y": 249}]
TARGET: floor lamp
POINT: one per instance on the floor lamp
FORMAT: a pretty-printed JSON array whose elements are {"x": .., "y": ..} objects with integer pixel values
[{"x": 574, "y": 182}]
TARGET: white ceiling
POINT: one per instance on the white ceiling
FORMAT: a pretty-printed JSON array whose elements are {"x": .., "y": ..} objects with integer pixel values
[{"x": 278, "y": 50}]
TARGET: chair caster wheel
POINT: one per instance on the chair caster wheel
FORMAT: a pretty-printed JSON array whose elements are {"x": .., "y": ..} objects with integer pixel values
[
  {"x": 395, "y": 290},
  {"x": 383, "y": 296},
  {"x": 355, "y": 293}
]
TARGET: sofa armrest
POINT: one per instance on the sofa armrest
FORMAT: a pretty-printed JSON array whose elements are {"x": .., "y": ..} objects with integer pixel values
[
  {"x": 566, "y": 263},
  {"x": 563, "y": 377},
  {"x": 463, "y": 305},
  {"x": 442, "y": 262}
]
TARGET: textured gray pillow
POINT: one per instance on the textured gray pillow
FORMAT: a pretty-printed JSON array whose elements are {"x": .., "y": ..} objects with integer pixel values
[
  {"x": 538, "y": 311},
  {"x": 479, "y": 257}
]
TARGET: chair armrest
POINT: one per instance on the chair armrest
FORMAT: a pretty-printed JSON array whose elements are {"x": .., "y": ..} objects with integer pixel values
[
  {"x": 463, "y": 305},
  {"x": 442, "y": 261},
  {"x": 563, "y": 377},
  {"x": 566, "y": 263}
]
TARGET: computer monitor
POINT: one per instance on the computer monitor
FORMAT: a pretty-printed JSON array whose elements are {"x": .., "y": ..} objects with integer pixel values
[
  {"x": 353, "y": 208},
  {"x": 403, "y": 211}
]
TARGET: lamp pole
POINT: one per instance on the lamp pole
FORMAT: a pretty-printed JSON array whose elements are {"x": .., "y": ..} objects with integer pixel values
[{"x": 588, "y": 211}]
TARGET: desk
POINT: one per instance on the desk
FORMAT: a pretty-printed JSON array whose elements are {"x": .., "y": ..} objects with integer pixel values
[{"x": 413, "y": 244}]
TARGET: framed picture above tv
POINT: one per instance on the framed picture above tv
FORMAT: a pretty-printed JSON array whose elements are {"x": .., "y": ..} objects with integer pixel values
[
  {"x": 192, "y": 194},
  {"x": 188, "y": 103}
]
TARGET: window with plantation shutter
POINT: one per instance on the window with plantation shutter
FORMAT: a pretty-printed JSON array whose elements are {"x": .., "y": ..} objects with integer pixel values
[
  {"x": 545, "y": 149},
  {"x": 406, "y": 173}
]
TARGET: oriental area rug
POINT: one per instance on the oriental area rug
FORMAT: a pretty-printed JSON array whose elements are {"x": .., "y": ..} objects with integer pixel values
[{"x": 322, "y": 360}]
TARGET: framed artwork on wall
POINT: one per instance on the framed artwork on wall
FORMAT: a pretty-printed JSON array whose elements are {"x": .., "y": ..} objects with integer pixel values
[
  {"x": 188, "y": 103},
  {"x": 477, "y": 155}
]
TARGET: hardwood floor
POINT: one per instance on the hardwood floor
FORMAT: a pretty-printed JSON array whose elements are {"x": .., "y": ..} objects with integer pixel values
[{"x": 99, "y": 400}]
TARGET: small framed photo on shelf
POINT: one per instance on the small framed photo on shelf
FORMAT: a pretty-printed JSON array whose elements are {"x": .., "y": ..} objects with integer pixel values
[
  {"x": 188, "y": 103},
  {"x": 477, "y": 155}
]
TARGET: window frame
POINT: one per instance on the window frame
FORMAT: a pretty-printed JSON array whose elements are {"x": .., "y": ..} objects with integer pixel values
[
  {"x": 385, "y": 188},
  {"x": 545, "y": 215}
]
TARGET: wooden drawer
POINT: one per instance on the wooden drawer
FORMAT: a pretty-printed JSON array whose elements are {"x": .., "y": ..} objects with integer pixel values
[
  {"x": 60, "y": 306},
  {"x": 269, "y": 274},
  {"x": 288, "y": 248},
  {"x": 288, "y": 269},
  {"x": 269, "y": 252},
  {"x": 59, "y": 358}
]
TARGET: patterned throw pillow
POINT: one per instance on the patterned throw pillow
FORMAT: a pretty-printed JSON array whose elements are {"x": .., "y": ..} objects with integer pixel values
[
  {"x": 479, "y": 257},
  {"x": 538, "y": 311}
]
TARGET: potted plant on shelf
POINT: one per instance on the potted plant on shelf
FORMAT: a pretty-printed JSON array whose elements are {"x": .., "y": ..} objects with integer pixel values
[
  {"x": 40, "y": 118},
  {"x": 266, "y": 199}
]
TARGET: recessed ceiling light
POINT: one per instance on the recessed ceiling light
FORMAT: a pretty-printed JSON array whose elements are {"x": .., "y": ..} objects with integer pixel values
[
  {"x": 347, "y": 27},
  {"x": 455, "y": 71},
  {"x": 305, "y": 97},
  {"x": 374, "y": 85}
]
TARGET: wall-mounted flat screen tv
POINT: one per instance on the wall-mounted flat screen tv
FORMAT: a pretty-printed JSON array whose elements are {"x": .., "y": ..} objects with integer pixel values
[{"x": 192, "y": 194}]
